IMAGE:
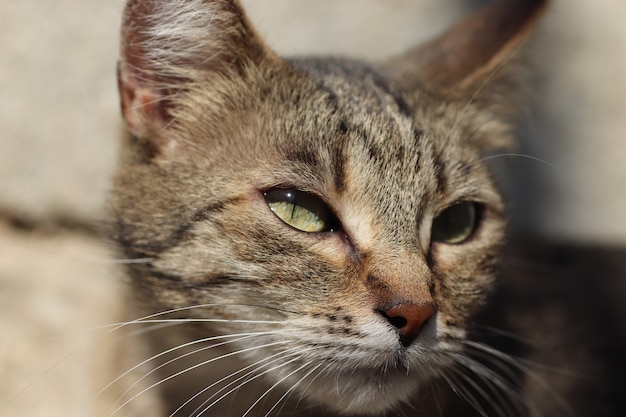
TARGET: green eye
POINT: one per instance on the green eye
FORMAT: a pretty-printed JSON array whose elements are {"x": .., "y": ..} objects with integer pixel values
[
  {"x": 455, "y": 224},
  {"x": 301, "y": 210}
]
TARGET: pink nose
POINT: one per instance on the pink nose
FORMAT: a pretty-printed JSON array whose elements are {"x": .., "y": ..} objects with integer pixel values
[{"x": 408, "y": 319}]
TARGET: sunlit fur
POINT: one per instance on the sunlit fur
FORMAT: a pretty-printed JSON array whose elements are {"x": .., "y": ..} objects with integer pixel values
[{"x": 274, "y": 321}]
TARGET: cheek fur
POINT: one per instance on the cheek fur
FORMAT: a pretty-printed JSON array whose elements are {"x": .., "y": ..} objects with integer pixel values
[{"x": 359, "y": 321}]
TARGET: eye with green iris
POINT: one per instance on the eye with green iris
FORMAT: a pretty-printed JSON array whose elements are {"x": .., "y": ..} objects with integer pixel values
[
  {"x": 301, "y": 210},
  {"x": 456, "y": 224}
]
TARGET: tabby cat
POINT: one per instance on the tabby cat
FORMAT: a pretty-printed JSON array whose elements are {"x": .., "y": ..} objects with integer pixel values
[{"x": 319, "y": 235}]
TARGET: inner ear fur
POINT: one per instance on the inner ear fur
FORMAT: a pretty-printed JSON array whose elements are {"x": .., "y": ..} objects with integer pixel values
[{"x": 167, "y": 44}]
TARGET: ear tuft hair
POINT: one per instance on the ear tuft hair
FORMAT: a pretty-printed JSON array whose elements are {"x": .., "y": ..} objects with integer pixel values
[{"x": 168, "y": 43}]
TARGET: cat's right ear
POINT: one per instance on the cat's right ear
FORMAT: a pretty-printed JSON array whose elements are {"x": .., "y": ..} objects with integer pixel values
[
  {"x": 166, "y": 45},
  {"x": 462, "y": 60}
]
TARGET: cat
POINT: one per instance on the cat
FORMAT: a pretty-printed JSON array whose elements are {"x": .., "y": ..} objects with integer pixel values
[{"x": 319, "y": 236}]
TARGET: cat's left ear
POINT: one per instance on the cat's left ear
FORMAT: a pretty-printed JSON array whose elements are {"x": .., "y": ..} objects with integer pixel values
[
  {"x": 465, "y": 59},
  {"x": 167, "y": 45}
]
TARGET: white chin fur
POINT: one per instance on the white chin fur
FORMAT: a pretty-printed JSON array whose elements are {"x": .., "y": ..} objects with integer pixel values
[{"x": 364, "y": 393}]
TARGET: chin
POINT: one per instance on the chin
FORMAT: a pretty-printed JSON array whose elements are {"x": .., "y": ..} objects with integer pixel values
[{"x": 365, "y": 392}]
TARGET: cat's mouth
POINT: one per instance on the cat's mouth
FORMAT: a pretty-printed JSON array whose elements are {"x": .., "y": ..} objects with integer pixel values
[{"x": 376, "y": 376}]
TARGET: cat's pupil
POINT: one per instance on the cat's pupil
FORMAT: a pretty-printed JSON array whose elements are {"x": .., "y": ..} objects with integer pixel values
[
  {"x": 456, "y": 224},
  {"x": 301, "y": 210}
]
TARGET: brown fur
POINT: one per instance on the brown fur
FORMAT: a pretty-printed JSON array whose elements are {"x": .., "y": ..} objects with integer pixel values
[{"x": 215, "y": 119}]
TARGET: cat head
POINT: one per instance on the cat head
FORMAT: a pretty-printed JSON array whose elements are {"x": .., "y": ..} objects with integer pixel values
[{"x": 344, "y": 201}]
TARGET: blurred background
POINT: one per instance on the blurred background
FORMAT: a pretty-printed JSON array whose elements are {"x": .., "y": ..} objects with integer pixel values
[{"x": 59, "y": 125}]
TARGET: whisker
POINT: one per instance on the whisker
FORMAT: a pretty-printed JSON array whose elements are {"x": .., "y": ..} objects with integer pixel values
[
  {"x": 436, "y": 388},
  {"x": 208, "y": 339},
  {"x": 148, "y": 318},
  {"x": 496, "y": 385},
  {"x": 192, "y": 368},
  {"x": 521, "y": 155},
  {"x": 280, "y": 356},
  {"x": 266, "y": 393},
  {"x": 153, "y": 370},
  {"x": 148, "y": 329},
  {"x": 500, "y": 332},
  {"x": 505, "y": 370},
  {"x": 29, "y": 385},
  {"x": 525, "y": 366},
  {"x": 112, "y": 327},
  {"x": 247, "y": 382},
  {"x": 505, "y": 382},
  {"x": 490, "y": 77},
  {"x": 469, "y": 137},
  {"x": 272, "y": 359},
  {"x": 301, "y": 397},
  {"x": 496, "y": 402},
  {"x": 461, "y": 390},
  {"x": 208, "y": 321},
  {"x": 504, "y": 362},
  {"x": 292, "y": 388}
]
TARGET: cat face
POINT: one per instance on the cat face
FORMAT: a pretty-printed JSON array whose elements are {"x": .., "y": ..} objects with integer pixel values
[{"x": 333, "y": 216}]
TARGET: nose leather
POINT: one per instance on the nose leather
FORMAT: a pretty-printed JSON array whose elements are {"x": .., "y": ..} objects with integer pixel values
[{"x": 409, "y": 319}]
